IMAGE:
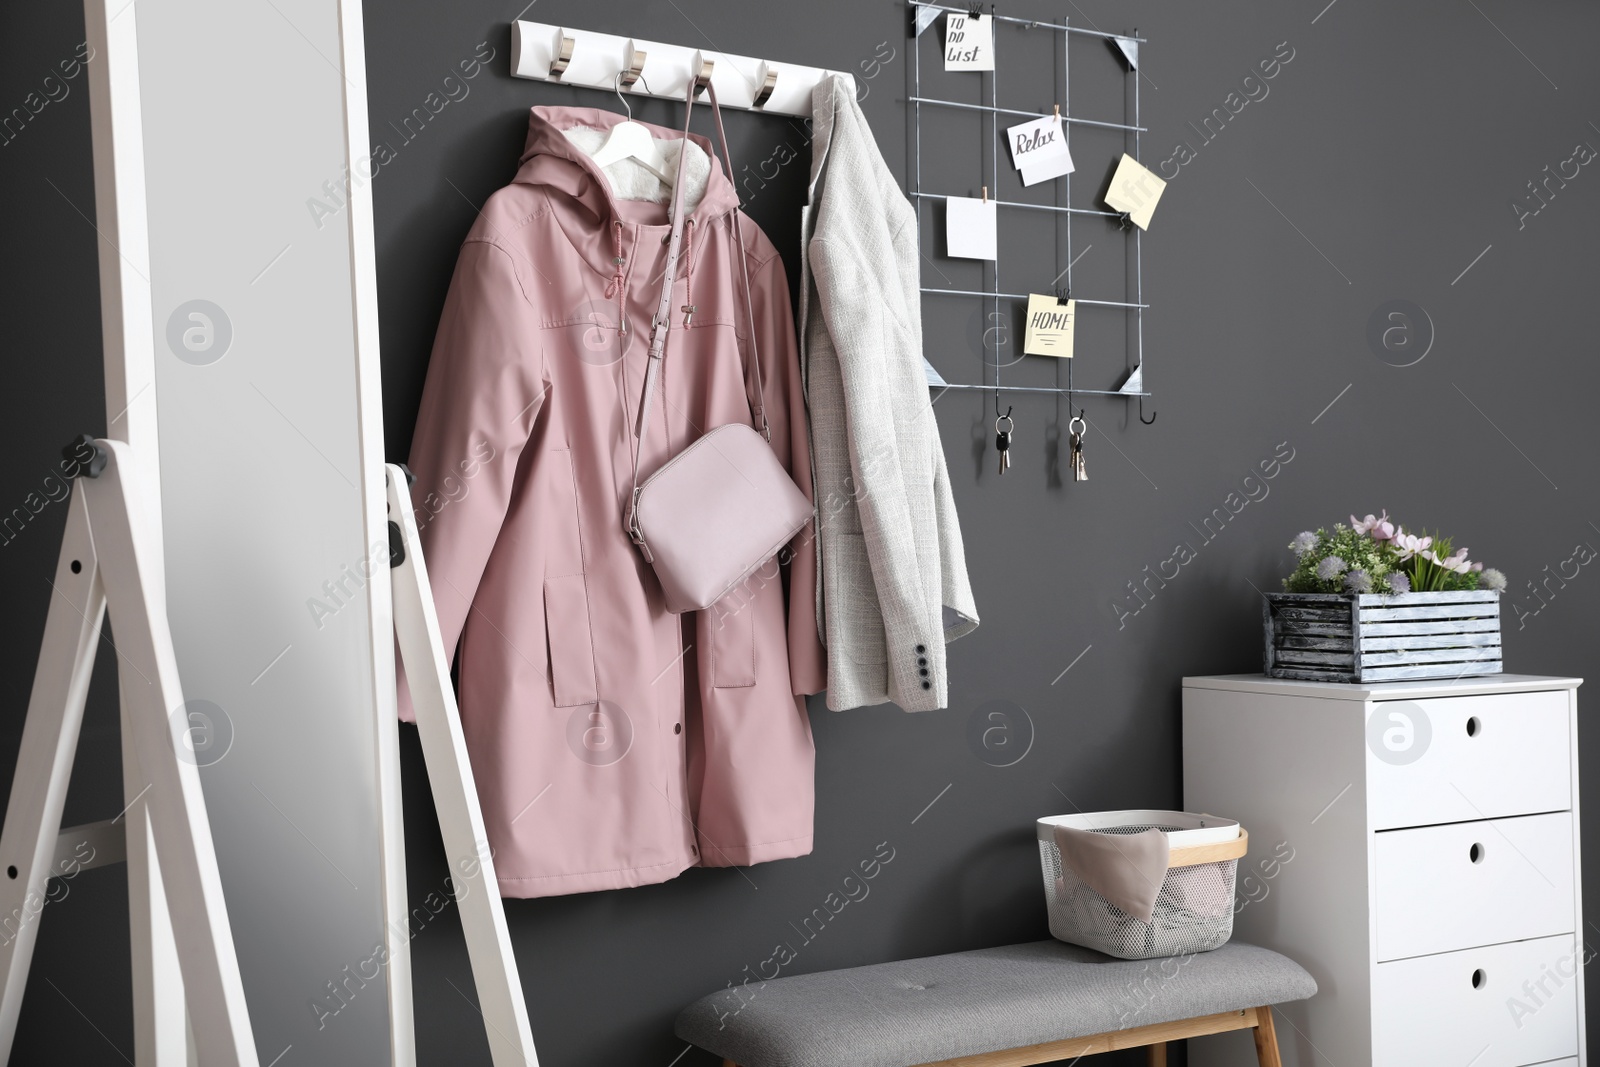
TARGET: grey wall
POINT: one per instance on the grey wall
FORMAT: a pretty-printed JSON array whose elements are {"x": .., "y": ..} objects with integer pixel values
[{"x": 1379, "y": 165}]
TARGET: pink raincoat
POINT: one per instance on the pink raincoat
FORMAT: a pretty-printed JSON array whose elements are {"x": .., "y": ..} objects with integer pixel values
[{"x": 614, "y": 744}]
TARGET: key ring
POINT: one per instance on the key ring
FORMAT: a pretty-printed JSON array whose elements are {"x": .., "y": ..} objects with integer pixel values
[
  {"x": 1005, "y": 418},
  {"x": 1078, "y": 421}
]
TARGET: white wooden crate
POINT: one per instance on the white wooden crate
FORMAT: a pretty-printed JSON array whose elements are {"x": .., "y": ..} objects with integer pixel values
[{"x": 1368, "y": 637}]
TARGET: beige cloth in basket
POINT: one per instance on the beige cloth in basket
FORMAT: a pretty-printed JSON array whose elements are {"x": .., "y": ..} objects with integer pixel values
[{"x": 1126, "y": 869}]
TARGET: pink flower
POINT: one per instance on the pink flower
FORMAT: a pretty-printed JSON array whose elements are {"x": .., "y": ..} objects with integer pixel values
[
  {"x": 1456, "y": 562},
  {"x": 1378, "y": 526},
  {"x": 1409, "y": 544}
]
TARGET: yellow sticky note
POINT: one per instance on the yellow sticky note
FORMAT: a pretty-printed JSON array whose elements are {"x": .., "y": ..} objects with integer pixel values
[
  {"x": 1135, "y": 189},
  {"x": 1049, "y": 331}
]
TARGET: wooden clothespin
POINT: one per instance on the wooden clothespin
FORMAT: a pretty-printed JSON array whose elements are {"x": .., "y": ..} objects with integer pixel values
[
  {"x": 985, "y": 194},
  {"x": 1058, "y": 111}
]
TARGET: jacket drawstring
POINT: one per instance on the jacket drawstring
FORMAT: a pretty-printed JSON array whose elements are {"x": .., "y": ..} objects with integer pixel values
[
  {"x": 614, "y": 287},
  {"x": 688, "y": 270}
]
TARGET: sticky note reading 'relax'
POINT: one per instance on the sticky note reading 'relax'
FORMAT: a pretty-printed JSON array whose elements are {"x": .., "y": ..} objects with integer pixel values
[
  {"x": 1039, "y": 149},
  {"x": 1049, "y": 331},
  {"x": 968, "y": 42},
  {"x": 1135, "y": 190},
  {"x": 970, "y": 227}
]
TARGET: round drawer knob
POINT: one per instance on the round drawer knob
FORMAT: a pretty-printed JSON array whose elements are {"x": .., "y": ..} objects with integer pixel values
[
  {"x": 1475, "y": 853},
  {"x": 1479, "y": 979},
  {"x": 1474, "y": 725}
]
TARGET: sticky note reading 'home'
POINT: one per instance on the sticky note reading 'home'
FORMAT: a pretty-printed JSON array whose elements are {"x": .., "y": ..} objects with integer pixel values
[
  {"x": 970, "y": 228},
  {"x": 1039, "y": 149},
  {"x": 968, "y": 42},
  {"x": 1049, "y": 331},
  {"x": 1135, "y": 189}
]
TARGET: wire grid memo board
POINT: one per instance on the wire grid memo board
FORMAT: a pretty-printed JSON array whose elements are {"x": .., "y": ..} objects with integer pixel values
[{"x": 1012, "y": 38}]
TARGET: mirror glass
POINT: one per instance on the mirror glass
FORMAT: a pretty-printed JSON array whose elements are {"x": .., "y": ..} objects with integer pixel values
[{"x": 277, "y": 585}]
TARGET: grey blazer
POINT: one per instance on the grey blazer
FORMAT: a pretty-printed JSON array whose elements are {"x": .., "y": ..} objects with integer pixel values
[{"x": 892, "y": 583}]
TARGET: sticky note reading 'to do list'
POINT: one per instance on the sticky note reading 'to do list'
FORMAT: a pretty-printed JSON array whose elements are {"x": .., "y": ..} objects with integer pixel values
[{"x": 968, "y": 42}]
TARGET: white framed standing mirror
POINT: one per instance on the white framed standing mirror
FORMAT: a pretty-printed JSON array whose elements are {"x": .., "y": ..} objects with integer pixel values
[{"x": 264, "y": 322}]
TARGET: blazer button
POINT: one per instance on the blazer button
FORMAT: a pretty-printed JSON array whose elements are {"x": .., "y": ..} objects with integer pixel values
[
  {"x": 922, "y": 671},
  {"x": 921, "y": 649},
  {"x": 922, "y": 661},
  {"x": 927, "y": 685}
]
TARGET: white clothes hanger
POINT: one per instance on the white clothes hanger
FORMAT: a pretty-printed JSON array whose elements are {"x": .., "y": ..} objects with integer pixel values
[{"x": 633, "y": 140}]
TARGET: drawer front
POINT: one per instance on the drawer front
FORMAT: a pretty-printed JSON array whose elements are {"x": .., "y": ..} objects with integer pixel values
[
  {"x": 1456, "y": 759},
  {"x": 1522, "y": 1010},
  {"x": 1442, "y": 888}
]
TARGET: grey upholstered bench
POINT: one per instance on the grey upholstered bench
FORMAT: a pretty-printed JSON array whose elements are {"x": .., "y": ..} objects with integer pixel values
[{"x": 996, "y": 1007}]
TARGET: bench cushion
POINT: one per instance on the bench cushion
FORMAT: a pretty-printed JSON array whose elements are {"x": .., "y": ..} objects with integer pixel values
[{"x": 922, "y": 1011}]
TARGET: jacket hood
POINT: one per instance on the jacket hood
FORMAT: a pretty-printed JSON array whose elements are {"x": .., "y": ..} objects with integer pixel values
[{"x": 557, "y": 158}]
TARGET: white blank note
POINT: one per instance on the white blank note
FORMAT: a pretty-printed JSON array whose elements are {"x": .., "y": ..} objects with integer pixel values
[{"x": 971, "y": 228}]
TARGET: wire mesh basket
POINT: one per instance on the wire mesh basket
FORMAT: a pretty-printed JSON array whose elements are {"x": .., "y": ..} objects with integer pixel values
[{"x": 1193, "y": 910}]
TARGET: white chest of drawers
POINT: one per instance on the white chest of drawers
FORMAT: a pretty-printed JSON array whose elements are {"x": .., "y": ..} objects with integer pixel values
[{"x": 1414, "y": 845}]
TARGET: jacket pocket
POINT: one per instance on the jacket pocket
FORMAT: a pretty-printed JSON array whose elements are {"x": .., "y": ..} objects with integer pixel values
[
  {"x": 566, "y": 624},
  {"x": 566, "y": 593},
  {"x": 733, "y": 640}
]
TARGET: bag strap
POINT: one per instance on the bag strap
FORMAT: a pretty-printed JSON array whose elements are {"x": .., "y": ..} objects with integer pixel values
[{"x": 660, "y": 324}]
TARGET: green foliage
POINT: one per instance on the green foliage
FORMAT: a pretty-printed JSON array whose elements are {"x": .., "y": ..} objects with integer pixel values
[
  {"x": 1428, "y": 577},
  {"x": 1358, "y": 551}
]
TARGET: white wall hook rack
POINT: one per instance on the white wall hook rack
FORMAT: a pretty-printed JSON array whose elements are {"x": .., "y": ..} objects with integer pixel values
[{"x": 605, "y": 61}]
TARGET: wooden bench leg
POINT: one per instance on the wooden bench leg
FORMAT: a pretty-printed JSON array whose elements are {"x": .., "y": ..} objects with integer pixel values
[
  {"x": 1266, "y": 1039},
  {"x": 1158, "y": 1054}
]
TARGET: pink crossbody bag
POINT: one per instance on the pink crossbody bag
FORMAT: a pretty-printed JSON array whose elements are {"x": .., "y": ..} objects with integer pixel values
[{"x": 724, "y": 506}]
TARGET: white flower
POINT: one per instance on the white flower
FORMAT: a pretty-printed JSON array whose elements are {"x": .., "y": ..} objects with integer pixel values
[
  {"x": 1489, "y": 578},
  {"x": 1303, "y": 542},
  {"x": 1409, "y": 545}
]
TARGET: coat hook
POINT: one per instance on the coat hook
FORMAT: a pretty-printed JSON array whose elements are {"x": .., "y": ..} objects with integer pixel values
[
  {"x": 1151, "y": 420},
  {"x": 563, "y": 58},
  {"x": 768, "y": 84},
  {"x": 635, "y": 68},
  {"x": 703, "y": 79}
]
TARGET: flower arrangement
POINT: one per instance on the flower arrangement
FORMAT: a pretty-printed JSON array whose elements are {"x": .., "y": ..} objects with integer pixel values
[{"x": 1377, "y": 555}]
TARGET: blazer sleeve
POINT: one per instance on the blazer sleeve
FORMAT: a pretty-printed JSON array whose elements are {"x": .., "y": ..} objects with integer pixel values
[
  {"x": 485, "y": 388},
  {"x": 785, "y": 405}
]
